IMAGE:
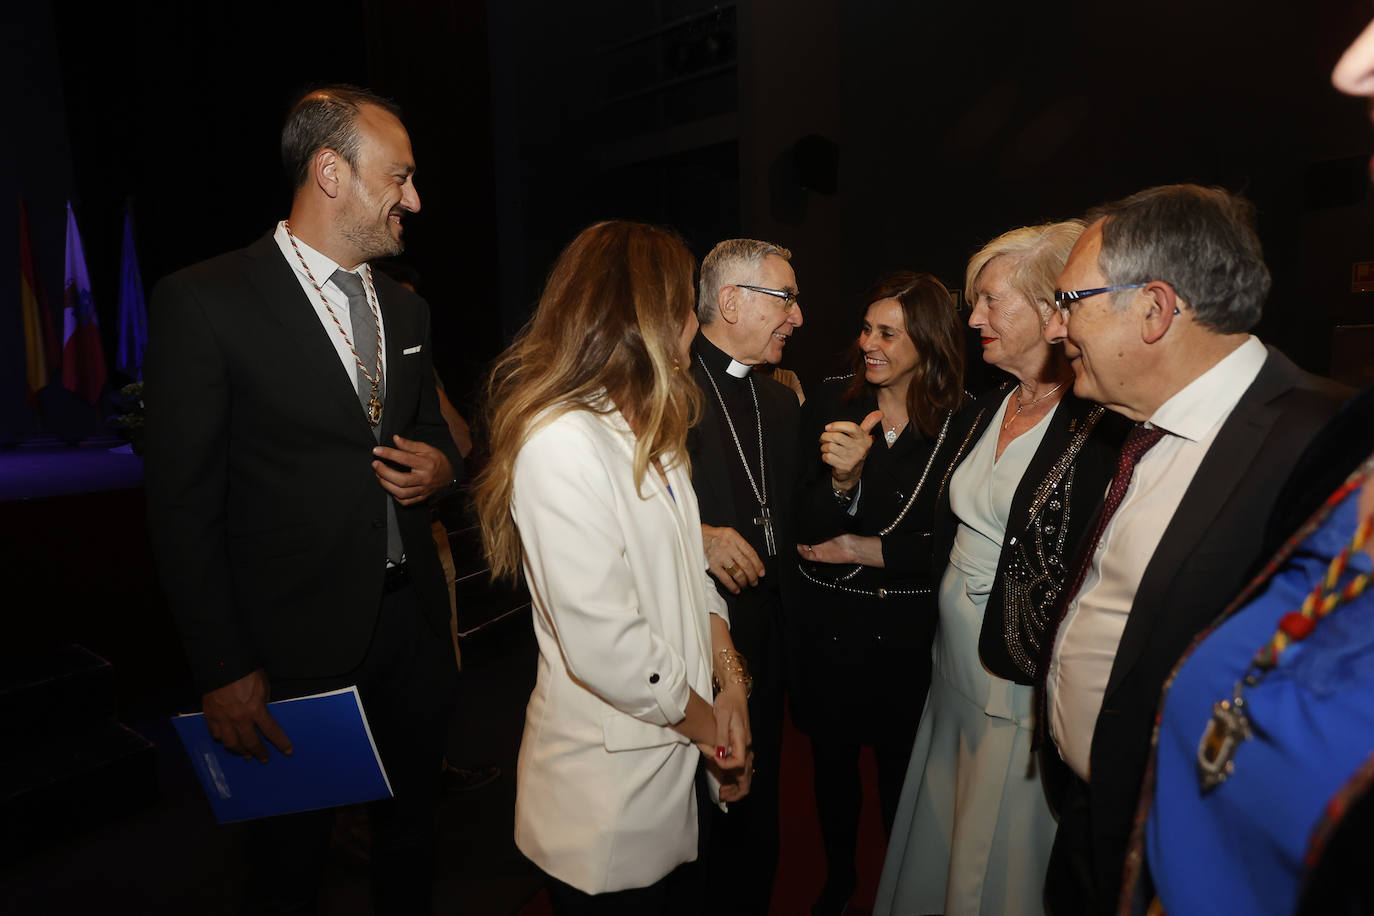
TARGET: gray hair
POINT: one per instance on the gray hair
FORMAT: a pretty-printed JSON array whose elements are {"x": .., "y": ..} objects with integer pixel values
[
  {"x": 725, "y": 257},
  {"x": 1039, "y": 253},
  {"x": 1201, "y": 241}
]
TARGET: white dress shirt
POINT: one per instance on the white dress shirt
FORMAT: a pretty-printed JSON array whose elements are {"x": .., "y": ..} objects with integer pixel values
[
  {"x": 1088, "y": 639},
  {"x": 323, "y": 268}
]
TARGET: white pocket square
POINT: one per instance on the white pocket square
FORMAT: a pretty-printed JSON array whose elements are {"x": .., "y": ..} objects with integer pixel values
[{"x": 409, "y": 350}]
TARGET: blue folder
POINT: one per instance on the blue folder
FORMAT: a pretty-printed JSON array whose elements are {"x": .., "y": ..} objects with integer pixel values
[{"x": 333, "y": 762}]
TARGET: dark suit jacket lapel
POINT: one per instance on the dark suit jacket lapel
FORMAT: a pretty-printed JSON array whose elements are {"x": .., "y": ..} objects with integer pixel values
[
  {"x": 401, "y": 333},
  {"x": 1225, "y": 465},
  {"x": 287, "y": 304}
]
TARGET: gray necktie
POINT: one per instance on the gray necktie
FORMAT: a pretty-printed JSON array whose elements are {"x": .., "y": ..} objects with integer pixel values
[
  {"x": 364, "y": 339},
  {"x": 364, "y": 336}
]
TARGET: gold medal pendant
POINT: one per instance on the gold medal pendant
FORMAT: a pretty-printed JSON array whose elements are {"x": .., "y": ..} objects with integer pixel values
[
  {"x": 1216, "y": 752},
  {"x": 374, "y": 410},
  {"x": 1229, "y": 726}
]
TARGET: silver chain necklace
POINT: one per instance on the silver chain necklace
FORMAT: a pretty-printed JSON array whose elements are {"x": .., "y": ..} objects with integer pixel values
[{"x": 761, "y": 487}]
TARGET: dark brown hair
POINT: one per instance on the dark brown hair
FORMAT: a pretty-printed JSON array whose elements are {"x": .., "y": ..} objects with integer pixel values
[{"x": 932, "y": 323}]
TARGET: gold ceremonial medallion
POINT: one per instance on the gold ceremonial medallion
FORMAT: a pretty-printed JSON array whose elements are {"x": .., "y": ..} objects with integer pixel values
[
  {"x": 1216, "y": 752},
  {"x": 374, "y": 410}
]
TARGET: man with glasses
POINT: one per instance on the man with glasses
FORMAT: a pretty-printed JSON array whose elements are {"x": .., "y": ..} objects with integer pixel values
[
  {"x": 1154, "y": 310},
  {"x": 744, "y": 469}
]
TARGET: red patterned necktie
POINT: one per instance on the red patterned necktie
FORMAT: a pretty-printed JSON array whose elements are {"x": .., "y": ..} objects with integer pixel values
[{"x": 1139, "y": 441}]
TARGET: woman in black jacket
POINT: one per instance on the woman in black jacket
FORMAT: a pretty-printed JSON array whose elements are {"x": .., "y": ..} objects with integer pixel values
[{"x": 863, "y": 627}]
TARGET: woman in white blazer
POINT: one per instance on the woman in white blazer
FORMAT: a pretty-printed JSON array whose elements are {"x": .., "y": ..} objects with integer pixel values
[{"x": 588, "y": 491}]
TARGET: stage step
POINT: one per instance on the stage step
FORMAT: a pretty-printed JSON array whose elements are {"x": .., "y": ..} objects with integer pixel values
[
  {"x": 65, "y": 689},
  {"x": 68, "y": 782},
  {"x": 66, "y": 762}
]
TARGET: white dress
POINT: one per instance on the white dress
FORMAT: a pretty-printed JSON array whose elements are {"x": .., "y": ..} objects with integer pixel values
[{"x": 973, "y": 830}]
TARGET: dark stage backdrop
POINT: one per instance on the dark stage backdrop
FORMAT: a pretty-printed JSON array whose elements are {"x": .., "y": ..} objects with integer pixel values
[
  {"x": 870, "y": 135},
  {"x": 866, "y": 135},
  {"x": 178, "y": 107}
]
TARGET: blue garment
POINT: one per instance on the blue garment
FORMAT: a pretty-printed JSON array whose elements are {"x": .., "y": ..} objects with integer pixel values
[{"x": 1240, "y": 848}]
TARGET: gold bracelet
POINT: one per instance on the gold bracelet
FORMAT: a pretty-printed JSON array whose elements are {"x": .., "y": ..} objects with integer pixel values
[{"x": 736, "y": 671}]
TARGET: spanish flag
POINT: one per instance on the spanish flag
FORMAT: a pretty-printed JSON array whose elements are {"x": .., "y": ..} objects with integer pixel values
[{"x": 40, "y": 342}]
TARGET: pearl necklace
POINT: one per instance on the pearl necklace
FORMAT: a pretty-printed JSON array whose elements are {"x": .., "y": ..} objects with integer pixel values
[
  {"x": 1020, "y": 407},
  {"x": 910, "y": 501}
]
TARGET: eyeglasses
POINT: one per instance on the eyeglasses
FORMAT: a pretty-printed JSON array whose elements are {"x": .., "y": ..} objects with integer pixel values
[
  {"x": 1062, "y": 298},
  {"x": 789, "y": 297}
]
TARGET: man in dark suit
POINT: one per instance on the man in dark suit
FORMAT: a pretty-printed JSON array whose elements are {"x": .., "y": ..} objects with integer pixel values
[
  {"x": 293, "y": 439},
  {"x": 744, "y": 471},
  {"x": 1155, "y": 307}
]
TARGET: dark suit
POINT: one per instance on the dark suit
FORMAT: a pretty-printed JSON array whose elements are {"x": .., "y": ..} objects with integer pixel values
[
  {"x": 267, "y": 519},
  {"x": 1208, "y": 551},
  {"x": 741, "y": 848}
]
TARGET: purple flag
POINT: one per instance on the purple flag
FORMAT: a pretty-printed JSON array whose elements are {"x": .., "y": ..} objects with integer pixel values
[
  {"x": 83, "y": 356},
  {"x": 133, "y": 312}
]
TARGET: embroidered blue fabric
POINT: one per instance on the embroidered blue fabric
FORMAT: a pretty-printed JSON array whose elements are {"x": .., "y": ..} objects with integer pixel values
[{"x": 1240, "y": 848}]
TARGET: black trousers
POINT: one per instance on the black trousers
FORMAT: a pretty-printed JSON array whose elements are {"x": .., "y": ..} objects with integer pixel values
[
  {"x": 839, "y": 795},
  {"x": 740, "y": 847},
  {"x": 677, "y": 893},
  {"x": 407, "y": 682},
  {"x": 1070, "y": 887}
]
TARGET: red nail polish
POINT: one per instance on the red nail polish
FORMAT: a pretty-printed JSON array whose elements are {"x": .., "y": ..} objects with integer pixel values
[{"x": 720, "y": 752}]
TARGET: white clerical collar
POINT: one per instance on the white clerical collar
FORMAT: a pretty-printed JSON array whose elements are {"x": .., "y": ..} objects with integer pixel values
[{"x": 711, "y": 354}]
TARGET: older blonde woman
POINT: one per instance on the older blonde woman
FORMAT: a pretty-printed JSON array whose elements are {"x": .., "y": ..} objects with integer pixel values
[
  {"x": 973, "y": 830},
  {"x": 588, "y": 491}
]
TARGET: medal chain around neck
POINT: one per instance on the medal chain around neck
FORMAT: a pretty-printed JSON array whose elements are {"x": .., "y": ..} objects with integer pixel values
[
  {"x": 375, "y": 380},
  {"x": 1020, "y": 407},
  {"x": 761, "y": 488}
]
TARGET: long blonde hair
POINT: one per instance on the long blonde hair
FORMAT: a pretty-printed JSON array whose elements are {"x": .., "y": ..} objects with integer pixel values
[{"x": 605, "y": 336}]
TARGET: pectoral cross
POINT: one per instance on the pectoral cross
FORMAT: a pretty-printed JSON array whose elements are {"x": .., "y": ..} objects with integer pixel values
[{"x": 766, "y": 520}]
